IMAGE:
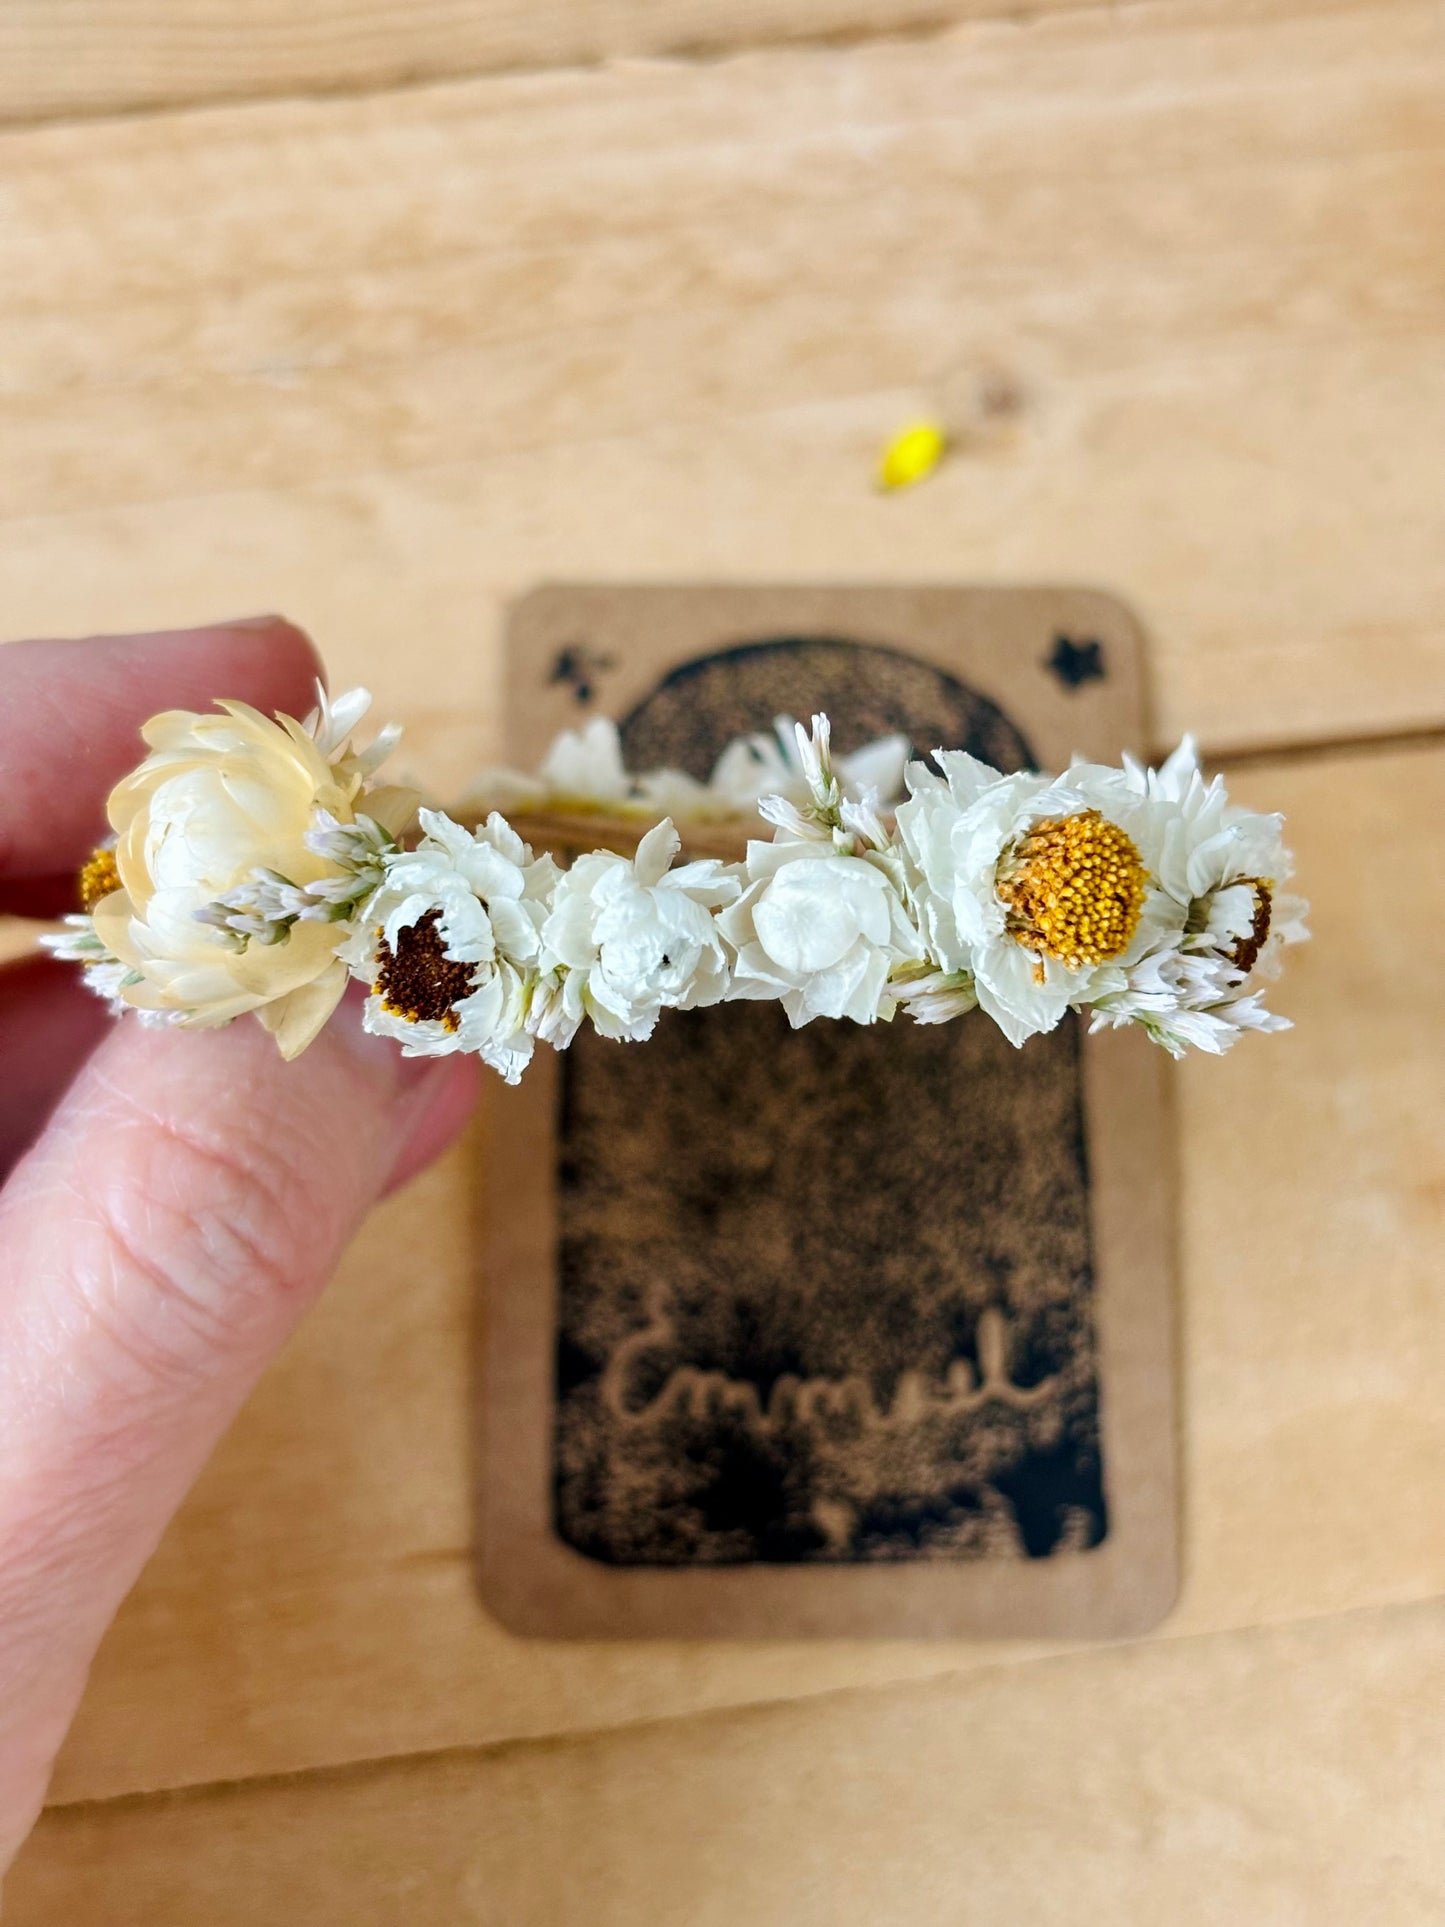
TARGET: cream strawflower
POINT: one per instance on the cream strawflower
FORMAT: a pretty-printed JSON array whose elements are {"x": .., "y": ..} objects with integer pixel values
[
  {"x": 220, "y": 800},
  {"x": 629, "y": 937},
  {"x": 449, "y": 943}
]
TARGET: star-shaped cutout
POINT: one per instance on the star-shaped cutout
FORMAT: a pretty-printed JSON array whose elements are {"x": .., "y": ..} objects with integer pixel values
[
  {"x": 580, "y": 666},
  {"x": 1076, "y": 662}
]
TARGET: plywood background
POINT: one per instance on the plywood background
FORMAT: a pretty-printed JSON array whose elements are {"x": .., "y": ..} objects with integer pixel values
[{"x": 384, "y": 361}]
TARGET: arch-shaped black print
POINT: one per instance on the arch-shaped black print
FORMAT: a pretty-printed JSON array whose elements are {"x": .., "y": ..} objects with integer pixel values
[{"x": 824, "y": 1295}]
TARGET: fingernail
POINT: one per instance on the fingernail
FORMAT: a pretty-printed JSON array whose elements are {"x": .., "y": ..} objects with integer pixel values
[
  {"x": 381, "y": 1058},
  {"x": 423, "y": 1101},
  {"x": 250, "y": 622},
  {"x": 432, "y": 1115}
]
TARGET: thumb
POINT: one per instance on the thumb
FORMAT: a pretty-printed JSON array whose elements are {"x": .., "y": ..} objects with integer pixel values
[{"x": 188, "y": 1200}]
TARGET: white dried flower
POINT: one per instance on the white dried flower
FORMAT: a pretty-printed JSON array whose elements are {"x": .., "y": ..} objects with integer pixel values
[
  {"x": 818, "y": 929},
  {"x": 630, "y": 937},
  {"x": 267, "y": 907},
  {"x": 449, "y": 943},
  {"x": 76, "y": 942},
  {"x": 102, "y": 974},
  {"x": 1222, "y": 864},
  {"x": 586, "y": 765},
  {"x": 933, "y": 996},
  {"x": 583, "y": 769},
  {"x": 1221, "y": 868},
  {"x": 1030, "y": 883},
  {"x": 772, "y": 763},
  {"x": 1186, "y": 999}
]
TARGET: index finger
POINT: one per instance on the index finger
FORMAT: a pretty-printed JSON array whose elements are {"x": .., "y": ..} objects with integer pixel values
[{"x": 73, "y": 710}]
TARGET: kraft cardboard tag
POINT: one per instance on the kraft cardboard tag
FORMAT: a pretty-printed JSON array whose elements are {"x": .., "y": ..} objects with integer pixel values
[{"x": 847, "y": 1330}]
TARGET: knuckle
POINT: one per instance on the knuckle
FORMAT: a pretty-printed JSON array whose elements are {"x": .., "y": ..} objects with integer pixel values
[{"x": 199, "y": 1249}]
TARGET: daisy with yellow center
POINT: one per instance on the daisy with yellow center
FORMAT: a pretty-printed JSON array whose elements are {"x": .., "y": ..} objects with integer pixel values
[
  {"x": 1073, "y": 889},
  {"x": 1031, "y": 884}
]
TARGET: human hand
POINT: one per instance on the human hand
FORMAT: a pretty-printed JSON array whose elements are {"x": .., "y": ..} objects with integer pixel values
[{"x": 171, "y": 1204}]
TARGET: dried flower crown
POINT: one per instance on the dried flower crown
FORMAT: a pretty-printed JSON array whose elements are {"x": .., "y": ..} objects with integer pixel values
[{"x": 257, "y": 865}]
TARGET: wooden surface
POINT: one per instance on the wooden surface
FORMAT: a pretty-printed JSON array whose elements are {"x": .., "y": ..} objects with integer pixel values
[
  {"x": 1280, "y": 1776},
  {"x": 386, "y": 362},
  {"x": 114, "y": 56}
]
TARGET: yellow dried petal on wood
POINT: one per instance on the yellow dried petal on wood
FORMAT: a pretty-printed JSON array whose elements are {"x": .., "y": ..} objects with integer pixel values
[{"x": 913, "y": 453}]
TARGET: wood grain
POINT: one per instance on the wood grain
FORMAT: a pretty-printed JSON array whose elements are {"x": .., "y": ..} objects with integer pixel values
[
  {"x": 388, "y": 362},
  {"x": 75, "y": 57},
  {"x": 313, "y": 1603},
  {"x": 1284, "y": 1776}
]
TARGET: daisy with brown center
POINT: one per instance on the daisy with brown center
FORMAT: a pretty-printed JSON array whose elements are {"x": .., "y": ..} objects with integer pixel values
[
  {"x": 448, "y": 945},
  {"x": 1221, "y": 869},
  {"x": 416, "y": 980}
]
